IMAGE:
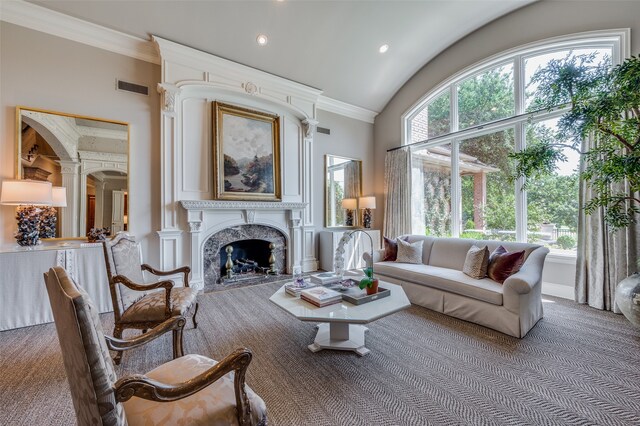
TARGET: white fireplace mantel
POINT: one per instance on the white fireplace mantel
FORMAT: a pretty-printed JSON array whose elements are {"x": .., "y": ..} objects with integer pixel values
[{"x": 206, "y": 217}]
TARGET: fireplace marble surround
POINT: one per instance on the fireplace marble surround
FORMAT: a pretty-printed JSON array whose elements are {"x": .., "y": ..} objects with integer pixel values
[{"x": 207, "y": 218}]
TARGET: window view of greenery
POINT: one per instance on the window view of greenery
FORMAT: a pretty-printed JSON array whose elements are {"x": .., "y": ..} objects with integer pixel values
[
  {"x": 486, "y": 97},
  {"x": 432, "y": 121},
  {"x": 488, "y": 196},
  {"x": 488, "y": 193},
  {"x": 431, "y": 186},
  {"x": 536, "y": 63},
  {"x": 335, "y": 191},
  {"x": 552, "y": 199}
]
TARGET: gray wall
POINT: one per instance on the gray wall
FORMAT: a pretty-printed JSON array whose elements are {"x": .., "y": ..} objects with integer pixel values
[
  {"x": 349, "y": 138},
  {"x": 42, "y": 71}
]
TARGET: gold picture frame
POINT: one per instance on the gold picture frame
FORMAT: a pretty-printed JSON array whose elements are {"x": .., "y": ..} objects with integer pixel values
[{"x": 246, "y": 154}]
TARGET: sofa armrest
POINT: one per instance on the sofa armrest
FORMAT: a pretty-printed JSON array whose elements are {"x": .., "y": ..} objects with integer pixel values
[
  {"x": 530, "y": 274},
  {"x": 378, "y": 255}
]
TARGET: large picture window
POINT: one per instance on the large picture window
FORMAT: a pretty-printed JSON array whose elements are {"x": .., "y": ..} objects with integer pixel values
[{"x": 461, "y": 135}]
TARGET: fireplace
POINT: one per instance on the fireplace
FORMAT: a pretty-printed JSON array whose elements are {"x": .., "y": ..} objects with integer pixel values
[{"x": 253, "y": 246}]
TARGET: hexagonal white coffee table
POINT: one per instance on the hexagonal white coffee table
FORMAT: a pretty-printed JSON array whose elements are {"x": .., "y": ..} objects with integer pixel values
[{"x": 339, "y": 326}]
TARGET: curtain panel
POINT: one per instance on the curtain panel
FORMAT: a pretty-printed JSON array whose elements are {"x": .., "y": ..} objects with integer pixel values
[
  {"x": 397, "y": 216},
  {"x": 604, "y": 257}
]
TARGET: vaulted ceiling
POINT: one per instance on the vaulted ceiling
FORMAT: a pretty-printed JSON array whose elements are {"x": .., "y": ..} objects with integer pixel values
[{"x": 330, "y": 45}]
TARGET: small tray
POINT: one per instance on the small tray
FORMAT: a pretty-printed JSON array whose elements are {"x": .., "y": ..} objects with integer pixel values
[{"x": 355, "y": 296}]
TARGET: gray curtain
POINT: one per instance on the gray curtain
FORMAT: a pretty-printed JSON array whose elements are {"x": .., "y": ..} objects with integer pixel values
[
  {"x": 604, "y": 257},
  {"x": 397, "y": 212}
]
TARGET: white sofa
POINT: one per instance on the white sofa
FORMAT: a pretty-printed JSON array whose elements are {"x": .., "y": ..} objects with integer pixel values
[{"x": 513, "y": 307}]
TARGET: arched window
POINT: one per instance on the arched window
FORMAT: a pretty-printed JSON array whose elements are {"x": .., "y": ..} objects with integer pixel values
[{"x": 462, "y": 132}]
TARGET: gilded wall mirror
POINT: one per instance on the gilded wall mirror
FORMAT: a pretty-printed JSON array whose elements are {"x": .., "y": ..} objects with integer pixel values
[
  {"x": 87, "y": 156},
  {"x": 343, "y": 187}
]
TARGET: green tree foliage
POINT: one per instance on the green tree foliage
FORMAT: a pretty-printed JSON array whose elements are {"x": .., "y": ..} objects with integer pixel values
[{"x": 604, "y": 102}]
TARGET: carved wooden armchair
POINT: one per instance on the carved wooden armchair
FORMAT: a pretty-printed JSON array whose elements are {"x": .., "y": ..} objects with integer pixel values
[
  {"x": 191, "y": 389},
  {"x": 138, "y": 304}
]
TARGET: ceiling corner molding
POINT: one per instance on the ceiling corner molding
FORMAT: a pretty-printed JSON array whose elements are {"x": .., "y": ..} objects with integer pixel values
[
  {"x": 348, "y": 110},
  {"x": 44, "y": 20}
]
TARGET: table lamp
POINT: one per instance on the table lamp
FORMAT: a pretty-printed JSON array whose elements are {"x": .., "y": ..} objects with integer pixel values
[
  {"x": 49, "y": 215},
  {"x": 367, "y": 204},
  {"x": 349, "y": 204},
  {"x": 29, "y": 195}
]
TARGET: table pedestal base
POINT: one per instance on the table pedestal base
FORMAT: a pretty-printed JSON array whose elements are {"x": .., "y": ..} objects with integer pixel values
[{"x": 340, "y": 336}]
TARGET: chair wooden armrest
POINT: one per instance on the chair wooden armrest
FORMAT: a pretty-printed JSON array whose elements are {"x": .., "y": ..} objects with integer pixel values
[
  {"x": 167, "y": 285},
  {"x": 143, "y": 387},
  {"x": 174, "y": 323},
  {"x": 182, "y": 270}
]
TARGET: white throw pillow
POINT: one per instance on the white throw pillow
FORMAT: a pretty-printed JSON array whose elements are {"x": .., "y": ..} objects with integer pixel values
[{"x": 409, "y": 252}]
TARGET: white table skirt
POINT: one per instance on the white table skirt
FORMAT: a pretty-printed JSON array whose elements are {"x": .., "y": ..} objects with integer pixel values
[{"x": 23, "y": 296}]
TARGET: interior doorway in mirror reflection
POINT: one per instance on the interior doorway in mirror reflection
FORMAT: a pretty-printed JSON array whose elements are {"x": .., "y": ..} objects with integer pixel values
[{"x": 87, "y": 156}]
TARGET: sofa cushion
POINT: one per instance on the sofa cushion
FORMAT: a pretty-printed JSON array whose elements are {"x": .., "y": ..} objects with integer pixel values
[
  {"x": 391, "y": 248},
  {"x": 426, "y": 245},
  {"x": 452, "y": 252},
  {"x": 445, "y": 279},
  {"x": 503, "y": 264},
  {"x": 409, "y": 252},
  {"x": 477, "y": 262}
]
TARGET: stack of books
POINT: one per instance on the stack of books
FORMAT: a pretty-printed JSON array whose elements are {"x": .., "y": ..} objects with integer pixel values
[
  {"x": 325, "y": 278},
  {"x": 320, "y": 296},
  {"x": 294, "y": 290}
]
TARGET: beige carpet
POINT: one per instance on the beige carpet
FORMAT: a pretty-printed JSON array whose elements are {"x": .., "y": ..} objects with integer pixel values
[{"x": 577, "y": 366}]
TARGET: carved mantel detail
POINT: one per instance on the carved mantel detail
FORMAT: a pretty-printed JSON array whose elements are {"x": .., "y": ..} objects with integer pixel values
[
  {"x": 239, "y": 205},
  {"x": 169, "y": 93},
  {"x": 309, "y": 127},
  {"x": 250, "y": 87}
]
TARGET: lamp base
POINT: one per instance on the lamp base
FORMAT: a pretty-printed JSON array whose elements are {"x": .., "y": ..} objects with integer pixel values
[
  {"x": 28, "y": 233},
  {"x": 366, "y": 218}
]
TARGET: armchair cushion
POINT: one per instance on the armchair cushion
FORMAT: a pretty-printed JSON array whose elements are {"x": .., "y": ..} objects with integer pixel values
[
  {"x": 214, "y": 405},
  {"x": 151, "y": 307}
]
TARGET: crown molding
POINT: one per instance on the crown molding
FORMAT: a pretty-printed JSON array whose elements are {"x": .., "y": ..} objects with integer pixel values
[
  {"x": 348, "y": 110},
  {"x": 47, "y": 21}
]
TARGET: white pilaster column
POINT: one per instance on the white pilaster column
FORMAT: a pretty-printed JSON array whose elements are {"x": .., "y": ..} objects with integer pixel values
[
  {"x": 195, "y": 219},
  {"x": 308, "y": 231},
  {"x": 69, "y": 216},
  {"x": 170, "y": 235},
  {"x": 296, "y": 253}
]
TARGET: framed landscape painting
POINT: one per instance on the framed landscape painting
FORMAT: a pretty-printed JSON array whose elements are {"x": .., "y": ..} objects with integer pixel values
[{"x": 246, "y": 154}]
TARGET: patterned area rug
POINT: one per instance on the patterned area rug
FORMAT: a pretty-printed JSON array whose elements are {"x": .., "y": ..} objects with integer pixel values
[{"x": 577, "y": 366}]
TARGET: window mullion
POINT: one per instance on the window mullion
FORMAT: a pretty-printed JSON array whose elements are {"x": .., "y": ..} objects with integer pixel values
[
  {"x": 456, "y": 186},
  {"x": 521, "y": 196}
]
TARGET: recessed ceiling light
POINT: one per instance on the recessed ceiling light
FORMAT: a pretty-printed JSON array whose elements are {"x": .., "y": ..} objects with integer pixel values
[
  {"x": 262, "y": 39},
  {"x": 383, "y": 48}
]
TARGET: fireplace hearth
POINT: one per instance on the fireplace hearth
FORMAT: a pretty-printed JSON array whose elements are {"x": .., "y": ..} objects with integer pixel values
[{"x": 246, "y": 259}]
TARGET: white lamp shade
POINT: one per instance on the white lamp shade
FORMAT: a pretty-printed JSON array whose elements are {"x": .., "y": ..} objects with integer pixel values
[
  {"x": 59, "y": 195},
  {"x": 367, "y": 202},
  {"x": 26, "y": 192},
  {"x": 349, "y": 203}
]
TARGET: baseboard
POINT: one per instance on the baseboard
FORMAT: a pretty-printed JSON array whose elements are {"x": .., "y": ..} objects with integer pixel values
[{"x": 558, "y": 290}]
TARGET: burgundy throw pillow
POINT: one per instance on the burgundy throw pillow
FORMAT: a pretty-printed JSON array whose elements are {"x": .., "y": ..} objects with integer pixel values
[
  {"x": 391, "y": 249},
  {"x": 503, "y": 264}
]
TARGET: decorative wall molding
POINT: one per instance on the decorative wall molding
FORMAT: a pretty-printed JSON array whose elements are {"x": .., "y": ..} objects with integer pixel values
[
  {"x": 239, "y": 205},
  {"x": 348, "y": 110},
  {"x": 47, "y": 21}
]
